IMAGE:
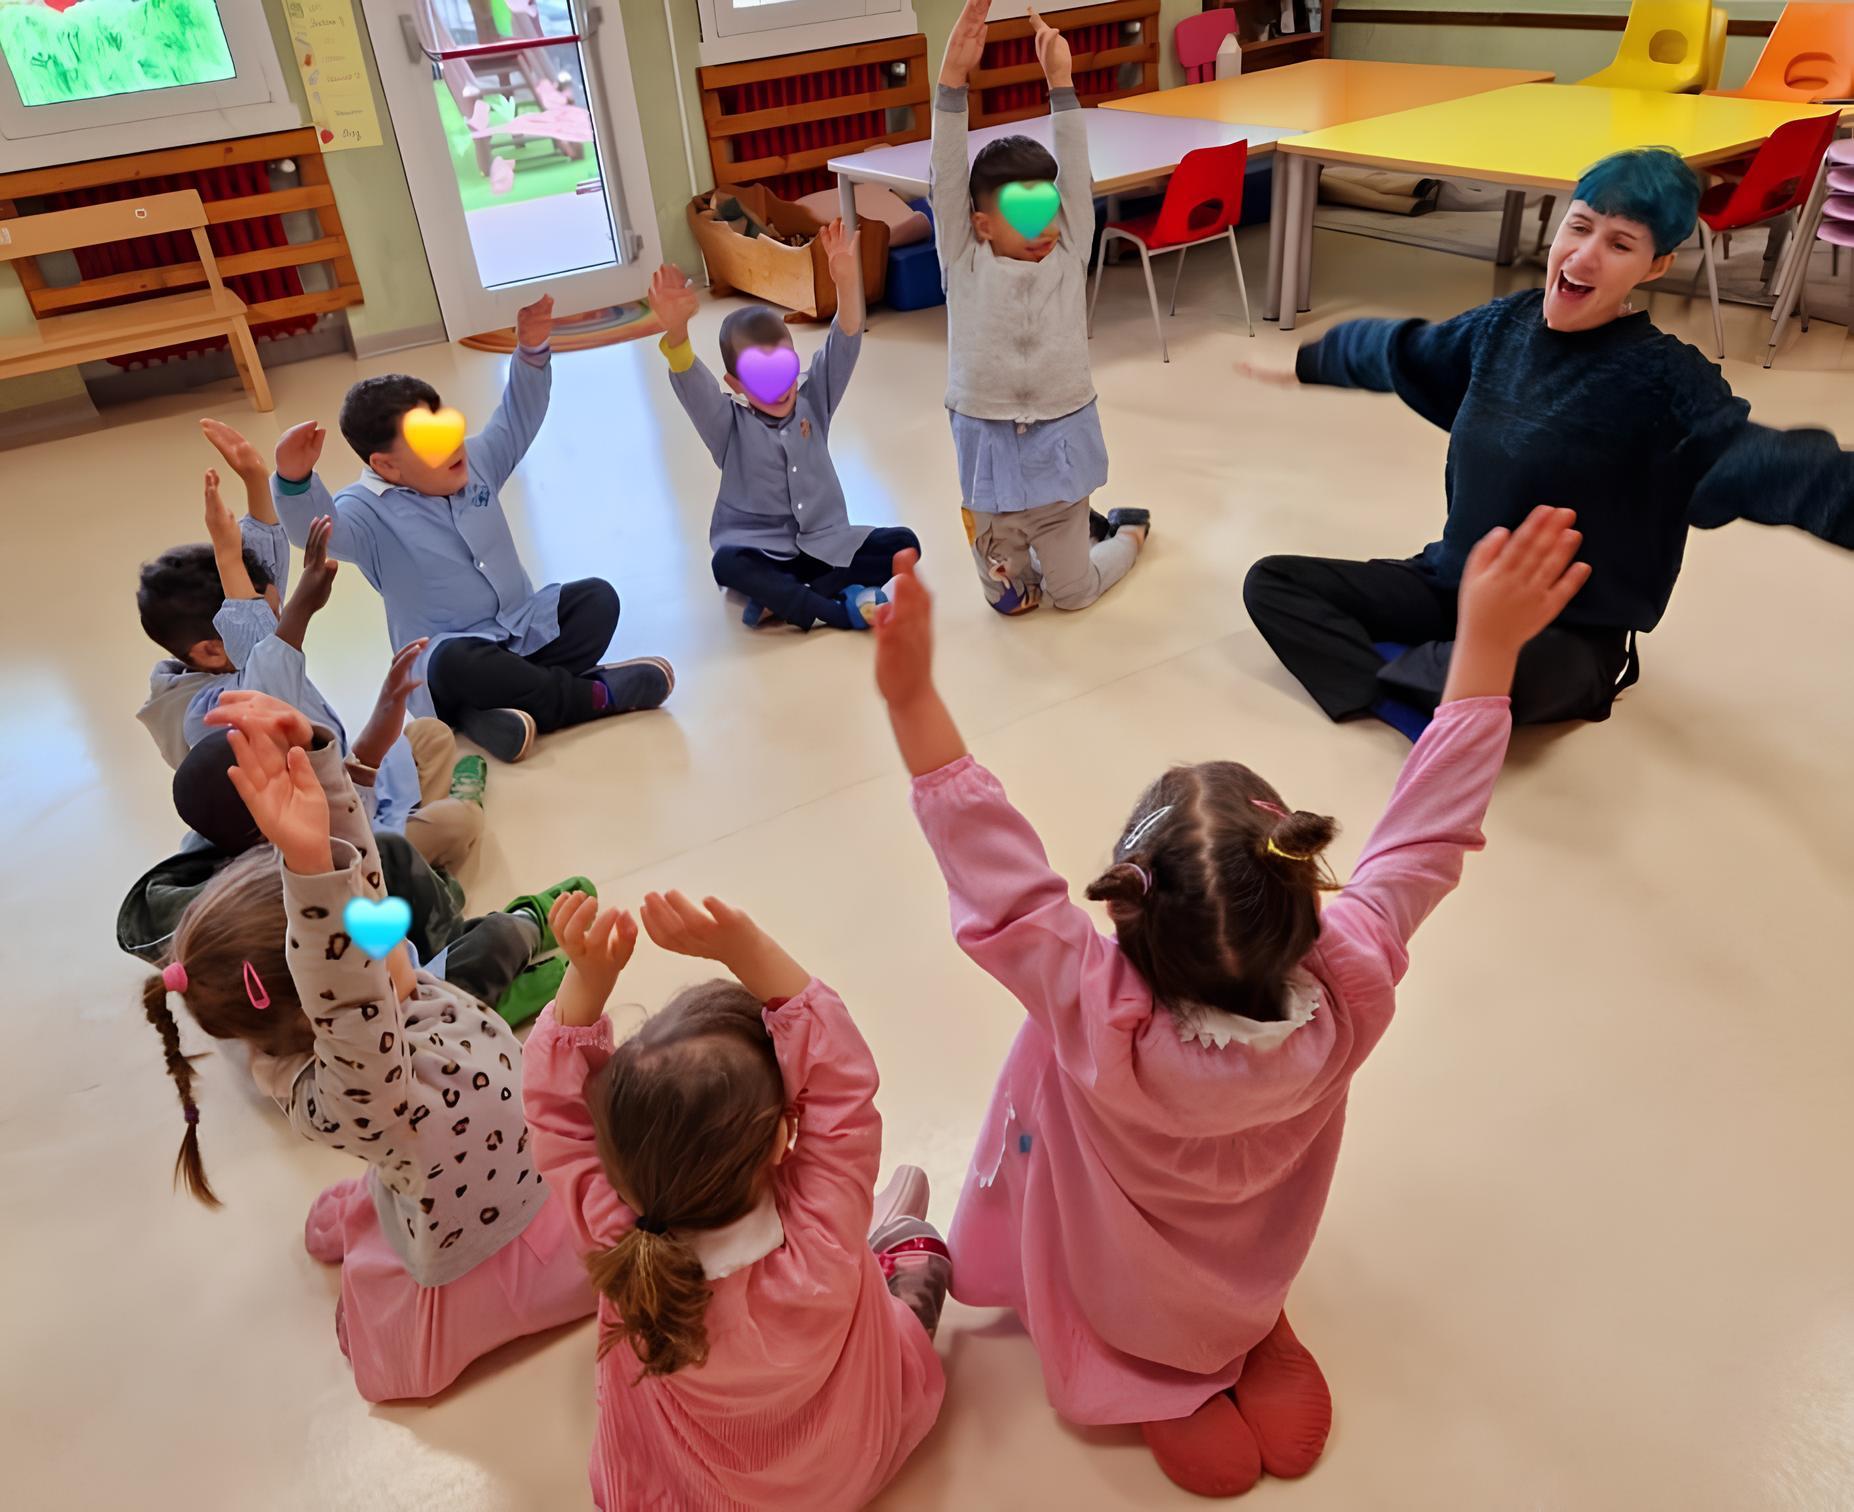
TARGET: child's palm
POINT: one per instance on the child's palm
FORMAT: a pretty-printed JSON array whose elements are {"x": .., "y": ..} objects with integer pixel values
[
  {"x": 240, "y": 454},
  {"x": 904, "y": 637},
  {"x": 1514, "y": 585},
  {"x": 299, "y": 449},
  {"x": 280, "y": 789}
]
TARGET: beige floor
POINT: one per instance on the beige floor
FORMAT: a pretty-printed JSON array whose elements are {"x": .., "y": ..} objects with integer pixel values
[{"x": 1589, "y": 1244}]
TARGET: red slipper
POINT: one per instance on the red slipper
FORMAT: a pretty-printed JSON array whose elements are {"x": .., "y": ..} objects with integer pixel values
[
  {"x": 1211, "y": 1453},
  {"x": 1283, "y": 1397}
]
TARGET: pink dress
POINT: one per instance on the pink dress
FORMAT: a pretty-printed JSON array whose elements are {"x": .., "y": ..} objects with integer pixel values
[
  {"x": 818, "y": 1382},
  {"x": 1142, "y": 1200}
]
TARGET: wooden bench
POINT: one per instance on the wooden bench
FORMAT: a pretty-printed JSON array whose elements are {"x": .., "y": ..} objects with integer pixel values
[{"x": 116, "y": 330}]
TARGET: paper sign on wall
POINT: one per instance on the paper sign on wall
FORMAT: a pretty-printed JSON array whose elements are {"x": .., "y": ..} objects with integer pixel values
[{"x": 332, "y": 60}]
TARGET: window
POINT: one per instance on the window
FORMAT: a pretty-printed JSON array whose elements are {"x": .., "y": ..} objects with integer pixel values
[
  {"x": 735, "y": 30},
  {"x": 88, "y": 78}
]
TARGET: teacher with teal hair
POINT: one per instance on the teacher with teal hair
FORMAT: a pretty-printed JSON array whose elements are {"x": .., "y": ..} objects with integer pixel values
[{"x": 1565, "y": 395}]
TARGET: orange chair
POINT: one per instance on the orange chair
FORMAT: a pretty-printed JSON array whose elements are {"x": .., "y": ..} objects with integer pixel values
[{"x": 1809, "y": 56}]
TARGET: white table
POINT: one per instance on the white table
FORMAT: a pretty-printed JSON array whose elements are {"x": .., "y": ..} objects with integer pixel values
[{"x": 1125, "y": 151}]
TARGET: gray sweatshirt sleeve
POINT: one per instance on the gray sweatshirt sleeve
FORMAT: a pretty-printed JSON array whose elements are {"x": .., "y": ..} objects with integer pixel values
[
  {"x": 951, "y": 177},
  {"x": 1074, "y": 177},
  {"x": 708, "y": 408}
]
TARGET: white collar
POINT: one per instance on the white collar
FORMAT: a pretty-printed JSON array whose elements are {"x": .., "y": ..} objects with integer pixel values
[
  {"x": 1216, "y": 1029},
  {"x": 723, "y": 1251}
]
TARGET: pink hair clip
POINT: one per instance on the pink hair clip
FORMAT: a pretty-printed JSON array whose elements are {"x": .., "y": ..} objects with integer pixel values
[
  {"x": 1269, "y": 808},
  {"x": 174, "y": 977},
  {"x": 254, "y": 988}
]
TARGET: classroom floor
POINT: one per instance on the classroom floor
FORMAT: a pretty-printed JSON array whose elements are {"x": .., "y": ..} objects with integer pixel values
[{"x": 1588, "y": 1246}]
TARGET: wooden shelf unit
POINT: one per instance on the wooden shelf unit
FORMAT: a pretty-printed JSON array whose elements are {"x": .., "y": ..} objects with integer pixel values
[{"x": 1008, "y": 83}]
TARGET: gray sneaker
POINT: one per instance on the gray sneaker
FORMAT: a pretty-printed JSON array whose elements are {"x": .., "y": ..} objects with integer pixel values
[{"x": 918, "y": 1265}]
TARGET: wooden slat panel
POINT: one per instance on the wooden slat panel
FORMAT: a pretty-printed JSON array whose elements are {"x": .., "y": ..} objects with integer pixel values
[
  {"x": 906, "y": 95},
  {"x": 726, "y": 75},
  {"x": 316, "y": 302},
  {"x": 146, "y": 165},
  {"x": 48, "y": 301},
  {"x": 1026, "y": 73},
  {"x": 755, "y": 169},
  {"x": 314, "y": 171},
  {"x": 93, "y": 225},
  {"x": 277, "y": 202}
]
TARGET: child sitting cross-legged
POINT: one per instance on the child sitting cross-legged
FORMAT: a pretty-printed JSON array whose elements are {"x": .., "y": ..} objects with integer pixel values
[
  {"x": 504, "y": 661},
  {"x": 1165, "y": 1128},
  {"x": 1019, "y": 391},
  {"x": 781, "y": 532},
  {"x": 451, "y": 1243},
  {"x": 765, "y": 1321}
]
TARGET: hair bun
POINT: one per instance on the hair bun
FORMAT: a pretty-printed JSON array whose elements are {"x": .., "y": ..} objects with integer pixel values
[
  {"x": 1123, "y": 888},
  {"x": 1301, "y": 836}
]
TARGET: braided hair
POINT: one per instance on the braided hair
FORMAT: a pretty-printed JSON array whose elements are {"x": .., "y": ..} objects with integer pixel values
[{"x": 187, "y": 1164}]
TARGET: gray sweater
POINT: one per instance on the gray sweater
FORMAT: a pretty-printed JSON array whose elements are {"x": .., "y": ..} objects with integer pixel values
[{"x": 1017, "y": 332}]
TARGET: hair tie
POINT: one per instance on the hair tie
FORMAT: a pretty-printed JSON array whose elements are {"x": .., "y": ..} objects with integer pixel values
[
  {"x": 1145, "y": 877},
  {"x": 254, "y": 988},
  {"x": 1275, "y": 850},
  {"x": 192, "y": 1115},
  {"x": 174, "y": 977},
  {"x": 651, "y": 1225},
  {"x": 1269, "y": 808}
]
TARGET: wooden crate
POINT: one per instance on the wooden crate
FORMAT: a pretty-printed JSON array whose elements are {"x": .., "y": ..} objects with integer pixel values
[
  {"x": 162, "y": 266},
  {"x": 778, "y": 121},
  {"x": 1008, "y": 83}
]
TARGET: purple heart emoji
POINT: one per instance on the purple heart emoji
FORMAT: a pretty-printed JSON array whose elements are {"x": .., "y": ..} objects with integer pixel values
[{"x": 767, "y": 373}]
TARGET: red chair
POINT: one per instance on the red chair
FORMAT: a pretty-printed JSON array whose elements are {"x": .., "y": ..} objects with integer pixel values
[
  {"x": 1196, "y": 40},
  {"x": 1780, "y": 179},
  {"x": 1203, "y": 203}
]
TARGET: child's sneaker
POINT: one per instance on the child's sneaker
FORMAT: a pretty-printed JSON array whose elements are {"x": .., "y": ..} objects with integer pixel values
[
  {"x": 541, "y": 904},
  {"x": 1119, "y": 519},
  {"x": 1098, "y": 528},
  {"x": 507, "y": 734},
  {"x": 859, "y": 601},
  {"x": 905, "y": 1196},
  {"x": 469, "y": 779},
  {"x": 756, "y": 614},
  {"x": 643, "y": 682},
  {"x": 534, "y": 987},
  {"x": 918, "y": 1265}
]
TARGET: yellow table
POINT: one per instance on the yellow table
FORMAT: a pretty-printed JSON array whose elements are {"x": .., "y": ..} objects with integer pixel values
[
  {"x": 1307, "y": 96},
  {"x": 1535, "y": 135}
]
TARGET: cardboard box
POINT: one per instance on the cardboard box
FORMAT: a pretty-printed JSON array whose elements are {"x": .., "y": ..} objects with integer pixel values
[{"x": 796, "y": 278}]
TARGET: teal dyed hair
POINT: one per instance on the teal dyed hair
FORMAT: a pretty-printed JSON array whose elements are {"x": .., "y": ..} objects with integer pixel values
[{"x": 1652, "y": 185}]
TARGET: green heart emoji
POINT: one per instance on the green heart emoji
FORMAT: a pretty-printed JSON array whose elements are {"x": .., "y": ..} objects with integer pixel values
[{"x": 1030, "y": 207}]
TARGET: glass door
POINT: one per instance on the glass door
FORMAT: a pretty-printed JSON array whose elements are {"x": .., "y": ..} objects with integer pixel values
[{"x": 519, "y": 131}]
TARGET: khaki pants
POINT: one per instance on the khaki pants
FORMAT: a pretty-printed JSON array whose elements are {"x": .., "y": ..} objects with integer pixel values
[
  {"x": 444, "y": 830},
  {"x": 1044, "y": 552}
]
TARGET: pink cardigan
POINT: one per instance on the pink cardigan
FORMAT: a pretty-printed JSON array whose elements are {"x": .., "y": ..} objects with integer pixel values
[
  {"x": 818, "y": 1383},
  {"x": 1141, "y": 1201}
]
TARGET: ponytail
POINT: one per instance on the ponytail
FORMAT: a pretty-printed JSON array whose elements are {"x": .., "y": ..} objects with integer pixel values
[
  {"x": 655, "y": 1284},
  {"x": 187, "y": 1164}
]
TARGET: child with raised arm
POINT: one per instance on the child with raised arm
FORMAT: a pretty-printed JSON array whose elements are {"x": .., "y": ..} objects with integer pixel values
[
  {"x": 1019, "y": 392},
  {"x": 1566, "y": 394},
  {"x": 504, "y": 661},
  {"x": 765, "y": 1322},
  {"x": 781, "y": 533},
  {"x": 1164, "y": 1131},
  {"x": 450, "y": 1244}
]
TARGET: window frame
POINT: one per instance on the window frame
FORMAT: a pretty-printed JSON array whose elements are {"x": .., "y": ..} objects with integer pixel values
[{"x": 732, "y": 34}]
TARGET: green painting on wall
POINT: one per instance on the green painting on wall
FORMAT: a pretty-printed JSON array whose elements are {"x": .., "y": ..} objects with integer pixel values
[{"x": 63, "y": 50}]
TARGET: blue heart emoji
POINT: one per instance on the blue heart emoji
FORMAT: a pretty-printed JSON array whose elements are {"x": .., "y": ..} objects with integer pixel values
[{"x": 377, "y": 927}]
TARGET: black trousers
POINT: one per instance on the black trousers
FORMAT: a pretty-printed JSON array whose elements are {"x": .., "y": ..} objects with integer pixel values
[
  {"x": 802, "y": 590},
  {"x": 1321, "y": 617},
  {"x": 487, "y": 954},
  {"x": 465, "y": 675}
]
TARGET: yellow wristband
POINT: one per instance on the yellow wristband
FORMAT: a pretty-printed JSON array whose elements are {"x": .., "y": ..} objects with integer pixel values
[{"x": 681, "y": 357}]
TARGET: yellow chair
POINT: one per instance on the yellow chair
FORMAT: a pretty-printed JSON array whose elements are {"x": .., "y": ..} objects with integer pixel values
[
  {"x": 1666, "y": 47},
  {"x": 1715, "y": 47}
]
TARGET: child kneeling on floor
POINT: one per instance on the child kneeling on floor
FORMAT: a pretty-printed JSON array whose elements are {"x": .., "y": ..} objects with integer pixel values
[
  {"x": 1019, "y": 392},
  {"x": 765, "y": 1323},
  {"x": 781, "y": 532},
  {"x": 1164, "y": 1131},
  {"x": 451, "y": 1244}
]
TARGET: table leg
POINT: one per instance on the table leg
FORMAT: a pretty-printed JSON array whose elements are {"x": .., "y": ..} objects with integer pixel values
[
  {"x": 1512, "y": 213},
  {"x": 1277, "y": 232},
  {"x": 1290, "y": 242},
  {"x": 1309, "y": 205},
  {"x": 846, "y": 207}
]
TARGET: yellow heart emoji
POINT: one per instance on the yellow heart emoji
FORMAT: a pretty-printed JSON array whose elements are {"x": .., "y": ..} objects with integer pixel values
[{"x": 433, "y": 435}]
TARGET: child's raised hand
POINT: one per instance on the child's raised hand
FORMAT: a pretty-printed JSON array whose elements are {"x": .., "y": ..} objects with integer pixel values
[
  {"x": 1515, "y": 583},
  {"x": 298, "y": 450},
  {"x": 534, "y": 324},
  {"x": 240, "y": 455},
  {"x": 965, "y": 46},
  {"x": 221, "y": 527},
  {"x": 904, "y": 636},
  {"x": 388, "y": 719},
  {"x": 716, "y": 932},
  {"x": 318, "y": 575},
  {"x": 673, "y": 301},
  {"x": 259, "y": 716},
  {"x": 1052, "y": 51},
  {"x": 841, "y": 251},
  {"x": 287, "y": 804},
  {"x": 598, "y": 947}
]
